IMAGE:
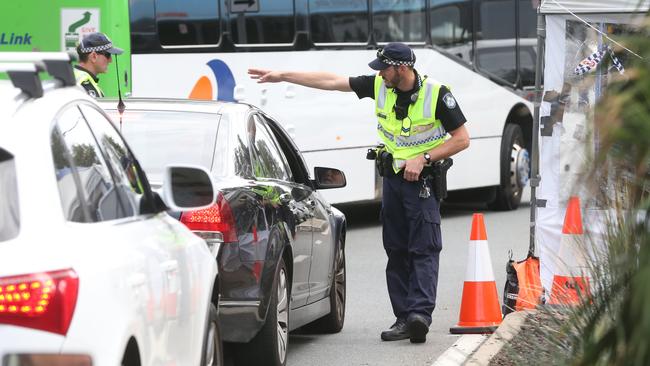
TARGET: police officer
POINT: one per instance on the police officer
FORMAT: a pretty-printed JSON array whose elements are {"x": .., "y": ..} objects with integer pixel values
[
  {"x": 95, "y": 53},
  {"x": 420, "y": 122}
]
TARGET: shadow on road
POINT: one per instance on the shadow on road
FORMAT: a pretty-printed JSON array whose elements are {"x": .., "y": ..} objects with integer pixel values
[{"x": 360, "y": 215}]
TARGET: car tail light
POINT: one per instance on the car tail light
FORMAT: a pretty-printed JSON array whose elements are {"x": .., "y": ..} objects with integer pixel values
[
  {"x": 217, "y": 218},
  {"x": 44, "y": 301}
]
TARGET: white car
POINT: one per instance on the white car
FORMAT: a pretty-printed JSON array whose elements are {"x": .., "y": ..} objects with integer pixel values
[{"x": 93, "y": 271}]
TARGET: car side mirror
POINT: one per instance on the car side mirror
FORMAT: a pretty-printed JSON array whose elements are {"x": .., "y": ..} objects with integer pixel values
[
  {"x": 187, "y": 188},
  {"x": 327, "y": 178}
]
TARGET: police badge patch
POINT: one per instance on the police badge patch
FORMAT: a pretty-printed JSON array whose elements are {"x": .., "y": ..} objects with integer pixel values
[{"x": 449, "y": 100}]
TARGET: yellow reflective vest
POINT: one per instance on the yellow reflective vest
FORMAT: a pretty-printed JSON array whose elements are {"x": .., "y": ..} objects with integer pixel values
[
  {"x": 86, "y": 81},
  {"x": 418, "y": 132}
]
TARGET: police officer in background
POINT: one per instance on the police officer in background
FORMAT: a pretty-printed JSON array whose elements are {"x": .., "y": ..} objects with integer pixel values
[
  {"x": 95, "y": 53},
  {"x": 419, "y": 123}
]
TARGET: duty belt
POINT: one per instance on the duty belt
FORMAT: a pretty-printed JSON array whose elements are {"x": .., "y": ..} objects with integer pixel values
[{"x": 436, "y": 171}]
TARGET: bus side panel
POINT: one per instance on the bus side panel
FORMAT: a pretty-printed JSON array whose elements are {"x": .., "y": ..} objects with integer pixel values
[
  {"x": 36, "y": 25},
  {"x": 37, "y": 22},
  {"x": 359, "y": 174},
  {"x": 478, "y": 166},
  {"x": 332, "y": 128}
]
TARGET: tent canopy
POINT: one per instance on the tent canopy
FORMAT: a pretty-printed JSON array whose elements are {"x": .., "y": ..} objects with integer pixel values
[{"x": 594, "y": 6}]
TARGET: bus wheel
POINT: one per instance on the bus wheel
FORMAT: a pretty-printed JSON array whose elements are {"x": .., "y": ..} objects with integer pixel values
[{"x": 515, "y": 169}]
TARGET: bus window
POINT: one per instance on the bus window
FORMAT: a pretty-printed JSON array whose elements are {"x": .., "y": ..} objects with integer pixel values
[
  {"x": 273, "y": 23},
  {"x": 339, "y": 21},
  {"x": 527, "y": 42},
  {"x": 495, "y": 49},
  {"x": 398, "y": 21},
  {"x": 143, "y": 26},
  {"x": 451, "y": 26},
  {"x": 527, "y": 18},
  {"x": 142, "y": 16},
  {"x": 187, "y": 22}
]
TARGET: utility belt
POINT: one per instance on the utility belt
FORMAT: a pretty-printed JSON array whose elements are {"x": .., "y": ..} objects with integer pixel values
[{"x": 436, "y": 171}]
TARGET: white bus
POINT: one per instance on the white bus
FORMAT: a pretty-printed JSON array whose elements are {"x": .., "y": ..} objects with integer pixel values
[{"x": 483, "y": 50}]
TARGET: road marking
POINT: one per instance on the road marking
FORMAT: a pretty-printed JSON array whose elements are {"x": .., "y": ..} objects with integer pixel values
[{"x": 460, "y": 351}]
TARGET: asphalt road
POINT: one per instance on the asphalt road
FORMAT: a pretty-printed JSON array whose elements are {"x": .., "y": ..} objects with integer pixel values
[{"x": 368, "y": 308}]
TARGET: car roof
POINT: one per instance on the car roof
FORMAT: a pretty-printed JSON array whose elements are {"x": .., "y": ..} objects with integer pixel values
[
  {"x": 28, "y": 110},
  {"x": 163, "y": 104}
]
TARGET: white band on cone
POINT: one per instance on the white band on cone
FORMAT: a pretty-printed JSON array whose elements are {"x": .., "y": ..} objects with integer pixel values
[
  {"x": 572, "y": 259},
  {"x": 479, "y": 264}
]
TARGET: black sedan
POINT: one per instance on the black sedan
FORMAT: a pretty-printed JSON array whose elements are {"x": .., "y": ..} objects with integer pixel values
[{"x": 282, "y": 253}]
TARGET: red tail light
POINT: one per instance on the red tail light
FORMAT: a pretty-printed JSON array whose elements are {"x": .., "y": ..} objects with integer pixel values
[
  {"x": 215, "y": 218},
  {"x": 44, "y": 301}
]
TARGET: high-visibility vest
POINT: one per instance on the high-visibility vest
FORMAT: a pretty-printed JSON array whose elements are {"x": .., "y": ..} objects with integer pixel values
[
  {"x": 82, "y": 77},
  {"x": 418, "y": 132}
]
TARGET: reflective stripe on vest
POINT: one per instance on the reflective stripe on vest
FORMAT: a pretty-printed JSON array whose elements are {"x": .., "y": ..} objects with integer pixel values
[
  {"x": 82, "y": 76},
  {"x": 423, "y": 131}
]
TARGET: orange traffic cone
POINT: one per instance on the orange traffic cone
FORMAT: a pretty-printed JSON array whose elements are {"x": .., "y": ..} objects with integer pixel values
[
  {"x": 570, "y": 284},
  {"x": 480, "y": 311}
]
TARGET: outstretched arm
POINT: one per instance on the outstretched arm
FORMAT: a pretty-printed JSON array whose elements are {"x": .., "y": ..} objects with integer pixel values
[{"x": 313, "y": 79}]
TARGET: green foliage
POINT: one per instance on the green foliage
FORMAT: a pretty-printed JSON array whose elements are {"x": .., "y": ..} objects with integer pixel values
[
  {"x": 611, "y": 326},
  {"x": 623, "y": 119},
  {"x": 84, "y": 155}
]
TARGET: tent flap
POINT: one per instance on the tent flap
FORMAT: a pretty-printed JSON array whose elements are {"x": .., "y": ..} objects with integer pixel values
[{"x": 586, "y": 6}]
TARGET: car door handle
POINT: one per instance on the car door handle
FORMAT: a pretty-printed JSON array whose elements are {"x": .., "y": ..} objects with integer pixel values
[{"x": 169, "y": 266}]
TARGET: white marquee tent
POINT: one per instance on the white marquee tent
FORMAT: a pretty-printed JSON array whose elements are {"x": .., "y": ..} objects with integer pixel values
[{"x": 569, "y": 33}]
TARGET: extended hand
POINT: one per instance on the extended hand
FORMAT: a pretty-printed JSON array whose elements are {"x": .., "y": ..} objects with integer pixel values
[
  {"x": 265, "y": 76},
  {"x": 413, "y": 168}
]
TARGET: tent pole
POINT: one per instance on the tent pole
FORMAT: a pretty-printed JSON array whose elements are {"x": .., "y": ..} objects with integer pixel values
[{"x": 534, "y": 173}]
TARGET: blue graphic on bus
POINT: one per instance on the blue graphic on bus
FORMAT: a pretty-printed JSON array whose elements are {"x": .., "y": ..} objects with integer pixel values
[{"x": 225, "y": 80}]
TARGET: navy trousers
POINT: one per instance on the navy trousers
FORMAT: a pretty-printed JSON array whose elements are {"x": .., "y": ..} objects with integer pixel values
[{"x": 412, "y": 240}]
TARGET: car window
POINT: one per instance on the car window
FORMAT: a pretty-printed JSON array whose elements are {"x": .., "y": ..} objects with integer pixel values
[
  {"x": 68, "y": 182},
  {"x": 152, "y": 134},
  {"x": 222, "y": 157},
  {"x": 9, "y": 213},
  {"x": 290, "y": 151},
  {"x": 268, "y": 161},
  {"x": 241, "y": 142},
  {"x": 90, "y": 178},
  {"x": 127, "y": 176}
]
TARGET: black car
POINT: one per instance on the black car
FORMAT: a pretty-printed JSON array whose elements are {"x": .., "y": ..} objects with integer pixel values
[{"x": 282, "y": 246}]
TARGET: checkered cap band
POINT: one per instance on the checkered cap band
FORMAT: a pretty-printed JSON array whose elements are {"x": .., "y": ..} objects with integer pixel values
[
  {"x": 397, "y": 63},
  {"x": 103, "y": 47},
  {"x": 396, "y": 59}
]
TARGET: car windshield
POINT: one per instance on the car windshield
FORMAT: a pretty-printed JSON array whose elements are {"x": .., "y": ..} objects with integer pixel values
[
  {"x": 161, "y": 138},
  {"x": 9, "y": 214}
]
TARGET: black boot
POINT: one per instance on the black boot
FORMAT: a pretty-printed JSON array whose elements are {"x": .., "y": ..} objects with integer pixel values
[
  {"x": 418, "y": 327},
  {"x": 397, "y": 331}
]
